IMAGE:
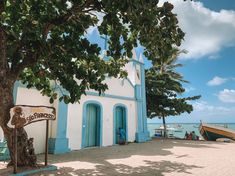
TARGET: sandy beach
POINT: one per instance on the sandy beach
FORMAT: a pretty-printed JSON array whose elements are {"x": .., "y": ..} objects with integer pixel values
[{"x": 156, "y": 157}]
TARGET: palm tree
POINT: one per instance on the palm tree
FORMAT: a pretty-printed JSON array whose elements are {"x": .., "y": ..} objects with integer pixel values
[
  {"x": 163, "y": 85},
  {"x": 168, "y": 65}
]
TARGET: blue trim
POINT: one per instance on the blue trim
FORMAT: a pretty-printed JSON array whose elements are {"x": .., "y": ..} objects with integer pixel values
[
  {"x": 62, "y": 120},
  {"x": 142, "y": 136},
  {"x": 60, "y": 143},
  {"x": 20, "y": 84},
  {"x": 4, "y": 155},
  {"x": 110, "y": 96},
  {"x": 142, "y": 133},
  {"x": 84, "y": 121},
  {"x": 139, "y": 116},
  {"x": 114, "y": 120},
  {"x": 138, "y": 93},
  {"x": 143, "y": 92},
  {"x": 4, "y": 158},
  {"x": 29, "y": 172}
]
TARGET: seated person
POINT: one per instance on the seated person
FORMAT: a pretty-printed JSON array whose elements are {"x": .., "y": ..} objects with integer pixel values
[
  {"x": 194, "y": 137},
  {"x": 186, "y": 135},
  {"x": 122, "y": 136},
  {"x": 190, "y": 136}
]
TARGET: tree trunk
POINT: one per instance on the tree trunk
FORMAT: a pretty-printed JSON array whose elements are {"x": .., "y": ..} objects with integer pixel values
[
  {"x": 24, "y": 145},
  {"x": 164, "y": 124},
  {"x": 25, "y": 150}
]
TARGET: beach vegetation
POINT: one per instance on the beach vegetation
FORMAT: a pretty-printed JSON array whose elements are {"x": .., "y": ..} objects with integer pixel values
[{"x": 164, "y": 88}]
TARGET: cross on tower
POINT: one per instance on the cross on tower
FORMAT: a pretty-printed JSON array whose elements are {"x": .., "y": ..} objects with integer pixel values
[{"x": 105, "y": 41}]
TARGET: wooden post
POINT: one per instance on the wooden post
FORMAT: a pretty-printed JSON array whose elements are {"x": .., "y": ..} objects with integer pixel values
[
  {"x": 15, "y": 149},
  {"x": 46, "y": 145}
]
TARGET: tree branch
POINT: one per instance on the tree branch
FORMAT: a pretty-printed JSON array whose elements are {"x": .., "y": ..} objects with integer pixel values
[
  {"x": 2, "y": 46},
  {"x": 3, "y": 57},
  {"x": 74, "y": 12},
  {"x": 30, "y": 59},
  {"x": 76, "y": 9},
  {"x": 1, "y": 6}
]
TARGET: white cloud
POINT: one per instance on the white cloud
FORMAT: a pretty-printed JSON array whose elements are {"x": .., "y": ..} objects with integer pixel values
[
  {"x": 216, "y": 81},
  {"x": 207, "y": 31},
  {"x": 204, "y": 106},
  {"x": 206, "y": 112},
  {"x": 189, "y": 89},
  {"x": 211, "y": 113},
  {"x": 213, "y": 57},
  {"x": 227, "y": 96}
]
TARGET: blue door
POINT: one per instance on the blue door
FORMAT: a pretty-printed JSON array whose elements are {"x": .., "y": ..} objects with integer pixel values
[
  {"x": 92, "y": 132},
  {"x": 120, "y": 122}
]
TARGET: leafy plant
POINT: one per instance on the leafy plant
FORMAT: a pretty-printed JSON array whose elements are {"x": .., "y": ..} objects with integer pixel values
[{"x": 43, "y": 44}]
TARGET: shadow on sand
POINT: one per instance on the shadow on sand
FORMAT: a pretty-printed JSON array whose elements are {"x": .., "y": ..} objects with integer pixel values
[
  {"x": 99, "y": 159},
  {"x": 153, "y": 168}
]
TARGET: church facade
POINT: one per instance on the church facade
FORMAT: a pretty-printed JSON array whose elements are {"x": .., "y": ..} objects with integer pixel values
[{"x": 96, "y": 119}]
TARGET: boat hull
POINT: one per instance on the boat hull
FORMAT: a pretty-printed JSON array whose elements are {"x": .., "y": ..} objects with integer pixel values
[{"x": 211, "y": 133}]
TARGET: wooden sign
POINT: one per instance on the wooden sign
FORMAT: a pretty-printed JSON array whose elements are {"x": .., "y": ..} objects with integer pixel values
[{"x": 23, "y": 115}]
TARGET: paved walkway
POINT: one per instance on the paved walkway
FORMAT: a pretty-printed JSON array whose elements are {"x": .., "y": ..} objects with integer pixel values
[{"x": 154, "y": 158}]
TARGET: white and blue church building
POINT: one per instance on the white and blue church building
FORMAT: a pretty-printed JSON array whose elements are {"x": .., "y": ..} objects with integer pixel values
[{"x": 95, "y": 120}]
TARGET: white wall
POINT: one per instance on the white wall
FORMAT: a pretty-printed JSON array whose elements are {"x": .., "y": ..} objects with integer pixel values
[
  {"x": 131, "y": 70},
  {"x": 119, "y": 87},
  {"x": 74, "y": 125},
  {"x": 35, "y": 130}
]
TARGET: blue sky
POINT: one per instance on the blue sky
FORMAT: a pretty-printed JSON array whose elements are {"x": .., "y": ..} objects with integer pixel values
[{"x": 210, "y": 63}]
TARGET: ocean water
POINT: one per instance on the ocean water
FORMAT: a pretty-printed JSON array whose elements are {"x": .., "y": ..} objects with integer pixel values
[{"x": 189, "y": 127}]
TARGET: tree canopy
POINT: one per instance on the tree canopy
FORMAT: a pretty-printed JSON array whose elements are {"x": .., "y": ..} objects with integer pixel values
[
  {"x": 164, "y": 89},
  {"x": 45, "y": 40},
  {"x": 44, "y": 43}
]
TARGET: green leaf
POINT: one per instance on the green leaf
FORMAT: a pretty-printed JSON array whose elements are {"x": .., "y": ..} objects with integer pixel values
[{"x": 51, "y": 100}]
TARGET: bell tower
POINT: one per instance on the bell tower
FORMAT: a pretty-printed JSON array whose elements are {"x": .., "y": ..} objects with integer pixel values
[{"x": 142, "y": 134}]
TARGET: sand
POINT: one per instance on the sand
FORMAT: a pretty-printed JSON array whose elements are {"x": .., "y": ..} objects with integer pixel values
[{"x": 153, "y": 158}]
